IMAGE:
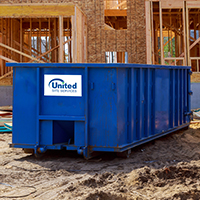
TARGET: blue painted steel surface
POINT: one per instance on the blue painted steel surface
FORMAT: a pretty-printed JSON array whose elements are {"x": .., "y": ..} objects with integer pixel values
[{"x": 122, "y": 106}]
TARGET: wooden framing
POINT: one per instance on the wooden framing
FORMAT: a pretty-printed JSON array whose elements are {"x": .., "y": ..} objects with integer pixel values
[
  {"x": 148, "y": 32},
  {"x": 185, "y": 35},
  {"x": 79, "y": 33},
  {"x": 39, "y": 33},
  {"x": 61, "y": 58},
  {"x": 115, "y": 13},
  {"x": 175, "y": 29},
  {"x": 36, "y": 10},
  {"x": 161, "y": 33}
]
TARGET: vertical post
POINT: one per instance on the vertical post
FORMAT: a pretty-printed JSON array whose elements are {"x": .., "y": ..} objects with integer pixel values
[
  {"x": 171, "y": 46},
  {"x": 70, "y": 43},
  {"x": 2, "y": 34},
  {"x": 49, "y": 27},
  {"x": 61, "y": 39},
  {"x": 152, "y": 36},
  {"x": 148, "y": 32},
  {"x": 30, "y": 36},
  {"x": 40, "y": 37},
  {"x": 11, "y": 35},
  {"x": 54, "y": 43},
  {"x": 156, "y": 42},
  {"x": 161, "y": 34},
  {"x": 12, "y": 43},
  {"x": 8, "y": 41},
  {"x": 21, "y": 39},
  {"x": 187, "y": 36},
  {"x": 185, "y": 62},
  {"x": 74, "y": 37}
]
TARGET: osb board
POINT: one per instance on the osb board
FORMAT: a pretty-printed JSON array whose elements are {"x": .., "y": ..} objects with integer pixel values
[
  {"x": 116, "y": 40},
  {"x": 136, "y": 31},
  {"x": 35, "y": 10},
  {"x": 195, "y": 78},
  {"x": 6, "y": 82}
]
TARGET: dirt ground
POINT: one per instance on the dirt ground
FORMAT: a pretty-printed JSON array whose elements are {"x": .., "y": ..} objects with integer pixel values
[{"x": 168, "y": 168}]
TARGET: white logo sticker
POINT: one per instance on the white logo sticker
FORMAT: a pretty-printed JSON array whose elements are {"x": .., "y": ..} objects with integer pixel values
[{"x": 63, "y": 85}]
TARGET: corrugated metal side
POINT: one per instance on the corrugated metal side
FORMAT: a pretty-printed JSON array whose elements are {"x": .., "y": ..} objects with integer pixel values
[
  {"x": 122, "y": 106},
  {"x": 159, "y": 101}
]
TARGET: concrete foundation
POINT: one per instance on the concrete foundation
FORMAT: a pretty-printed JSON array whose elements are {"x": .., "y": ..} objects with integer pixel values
[
  {"x": 195, "y": 98},
  {"x": 6, "y": 95}
]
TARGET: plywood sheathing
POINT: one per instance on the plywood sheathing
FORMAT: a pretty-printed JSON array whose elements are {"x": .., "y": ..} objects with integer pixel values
[
  {"x": 131, "y": 40},
  {"x": 136, "y": 31},
  {"x": 116, "y": 40}
]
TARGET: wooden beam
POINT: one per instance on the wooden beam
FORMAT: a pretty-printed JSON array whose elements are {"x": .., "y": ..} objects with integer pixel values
[
  {"x": 161, "y": 34},
  {"x": 152, "y": 35},
  {"x": 115, "y": 13},
  {"x": 30, "y": 45},
  {"x": 107, "y": 27},
  {"x": 52, "y": 49},
  {"x": 187, "y": 36},
  {"x": 74, "y": 36},
  {"x": 2, "y": 40},
  {"x": 193, "y": 4},
  {"x": 7, "y": 74},
  {"x": 172, "y": 4},
  {"x": 18, "y": 44},
  {"x": 55, "y": 41},
  {"x": 166, "y": 43},
  {"x": 7, "y": 59},
  {"x": 40, "y": 36},
  {"x": 21, "y": 39},
  {"x": 49, "y": 34},
  {"x": 36, "y": 10},
  {"x": 184, "y": 35},
  {"x": 191, "y": 46},
  {"x": 19, "y": 52},
  {"x": 61, "y": 48},
  {"x": 148, "y": 32}
]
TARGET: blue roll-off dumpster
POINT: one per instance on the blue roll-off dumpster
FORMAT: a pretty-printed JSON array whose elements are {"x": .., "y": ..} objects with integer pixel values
[{"x": 97, "y": 107}]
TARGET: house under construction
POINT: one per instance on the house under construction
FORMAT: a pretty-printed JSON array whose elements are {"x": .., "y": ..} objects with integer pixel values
[{"x": 165, "y": 32}]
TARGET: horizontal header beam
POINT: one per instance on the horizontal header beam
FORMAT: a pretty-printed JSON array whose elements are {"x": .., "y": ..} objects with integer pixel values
[
  {"x": 36, "y": 10},
  {"x": 115, "y": 13}
]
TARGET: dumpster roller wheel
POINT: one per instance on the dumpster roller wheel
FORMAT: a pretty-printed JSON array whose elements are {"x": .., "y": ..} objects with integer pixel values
[{"x": 39, "y": 151}]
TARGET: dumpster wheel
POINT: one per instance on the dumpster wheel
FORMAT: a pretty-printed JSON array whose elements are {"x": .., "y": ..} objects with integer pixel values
[
  {"x": 38, "y": 155},
  {"x": 39, "y": 152}
]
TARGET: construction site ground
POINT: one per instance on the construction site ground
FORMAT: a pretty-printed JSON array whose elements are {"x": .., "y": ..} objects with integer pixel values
[{"x": 168, "y": 168}]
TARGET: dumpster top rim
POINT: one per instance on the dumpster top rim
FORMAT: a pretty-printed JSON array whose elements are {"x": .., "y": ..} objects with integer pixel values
[{"x": 94, "y": 65}]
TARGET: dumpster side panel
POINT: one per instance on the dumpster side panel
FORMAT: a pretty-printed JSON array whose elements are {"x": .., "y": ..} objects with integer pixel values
[
  {"x": 159, "y": 101},
  {"x": 24, "y": 105},
  {"x": 103, "y": 107}
]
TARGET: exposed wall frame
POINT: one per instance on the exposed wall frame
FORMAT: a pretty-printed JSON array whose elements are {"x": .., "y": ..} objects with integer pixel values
[{"x": 49, "y": 27}]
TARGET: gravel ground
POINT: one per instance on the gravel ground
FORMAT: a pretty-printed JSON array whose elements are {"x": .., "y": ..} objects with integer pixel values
[{"x": 168, "y": 168}]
